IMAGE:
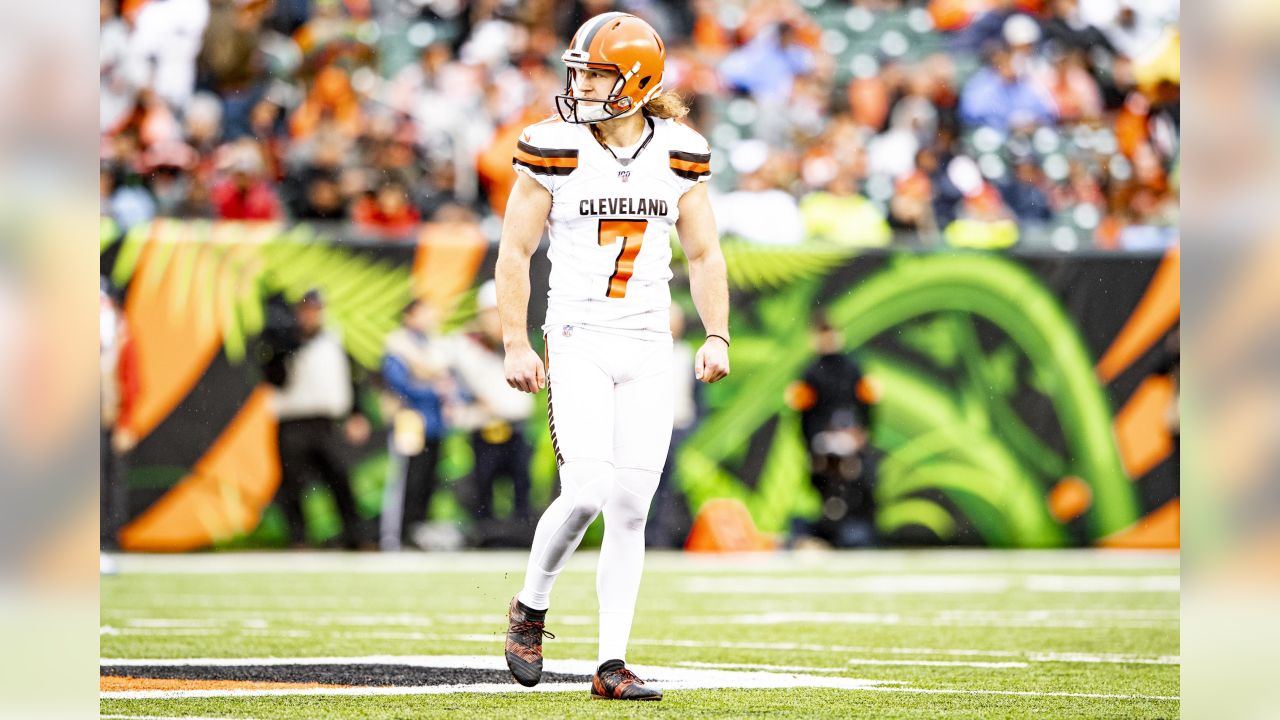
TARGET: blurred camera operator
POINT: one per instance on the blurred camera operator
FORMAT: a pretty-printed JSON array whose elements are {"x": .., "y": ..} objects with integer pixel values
[{"x": 834, "y": 399}]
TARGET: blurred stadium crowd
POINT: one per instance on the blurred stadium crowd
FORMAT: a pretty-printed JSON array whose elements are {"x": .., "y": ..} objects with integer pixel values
[{"x": 977, "y": 123}]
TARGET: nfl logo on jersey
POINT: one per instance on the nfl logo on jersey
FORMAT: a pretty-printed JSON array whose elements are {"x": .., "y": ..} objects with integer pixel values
[{"x": 624, "y": 175}]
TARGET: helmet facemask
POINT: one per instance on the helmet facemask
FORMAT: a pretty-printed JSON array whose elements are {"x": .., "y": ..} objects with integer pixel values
[{"x": 575, "y": 107}]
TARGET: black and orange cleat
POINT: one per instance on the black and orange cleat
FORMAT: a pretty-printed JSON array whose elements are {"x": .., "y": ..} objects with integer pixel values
[
  {"x": 525, "y": 630},
  {"x": 613, "y": 681}
]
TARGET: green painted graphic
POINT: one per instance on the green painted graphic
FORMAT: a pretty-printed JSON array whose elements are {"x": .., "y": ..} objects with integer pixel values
[{"x": 961, "y": 345}]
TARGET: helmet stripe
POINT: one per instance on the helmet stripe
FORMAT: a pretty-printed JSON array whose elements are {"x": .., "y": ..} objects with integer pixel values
[
  {"x": 583, "y": 31},
  {"x": 588, "y": 31}
]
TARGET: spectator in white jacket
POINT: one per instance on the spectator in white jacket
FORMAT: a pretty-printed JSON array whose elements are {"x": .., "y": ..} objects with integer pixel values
[
  {"x": 494, "y": 412},
  {"x": 167, "y": 37},
  {"x": 758, "y": 211}
]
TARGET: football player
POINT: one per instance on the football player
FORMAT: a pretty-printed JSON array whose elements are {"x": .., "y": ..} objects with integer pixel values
[{"x": 608, "y": 175}]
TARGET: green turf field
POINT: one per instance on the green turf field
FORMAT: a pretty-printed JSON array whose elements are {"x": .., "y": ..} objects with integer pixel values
[{"x": 880, "y": 634}]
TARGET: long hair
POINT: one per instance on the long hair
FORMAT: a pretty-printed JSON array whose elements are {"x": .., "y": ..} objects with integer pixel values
[{"x": 667, "y": 105}]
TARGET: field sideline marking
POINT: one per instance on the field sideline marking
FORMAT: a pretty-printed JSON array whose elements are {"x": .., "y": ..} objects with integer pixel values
[
  {"x": 670, "y": 677},
  {"x": 673, "y": 678}
]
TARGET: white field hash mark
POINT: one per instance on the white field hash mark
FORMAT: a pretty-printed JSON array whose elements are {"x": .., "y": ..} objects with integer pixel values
[
  {"x": 934, "y": 584},
  {"x": 674, "y": 678},
  {"x": 1088, "y": 618},
  {"x": 164, "y": 717},
  {"x": 1040, "y": 619}
]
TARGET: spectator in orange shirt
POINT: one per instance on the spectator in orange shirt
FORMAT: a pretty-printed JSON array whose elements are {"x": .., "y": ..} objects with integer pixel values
[
  {"x": 1073, "y": 89},
  {"x": 331, "y": 96},
  {"x": 911, "y": 207}
]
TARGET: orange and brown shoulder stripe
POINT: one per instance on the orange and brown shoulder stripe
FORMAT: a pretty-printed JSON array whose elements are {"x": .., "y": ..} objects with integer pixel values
[
  {"x": 690, "y": 166},
  {"x": 545, "y": 161}
]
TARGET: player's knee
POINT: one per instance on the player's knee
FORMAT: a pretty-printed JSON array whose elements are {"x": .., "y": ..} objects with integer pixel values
[
  {"x": 629, "y": 516},
  {"x": 629, "y": 508},
  {"x": 636, "y": 487},
  {"x": 586, "y": 485},
  {"x": 584, "y": 510},
  {"x": 634, "y": 523}
]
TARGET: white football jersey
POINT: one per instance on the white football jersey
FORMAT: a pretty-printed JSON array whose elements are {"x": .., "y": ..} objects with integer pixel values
[{"x": 611, "y": 220}]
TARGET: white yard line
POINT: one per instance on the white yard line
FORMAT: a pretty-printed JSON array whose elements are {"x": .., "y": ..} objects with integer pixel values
[
  {"x": 251, "y": 623},
  {"x": 1023, "y": 693},
  {"x": 501, "y": 619},
  {"x": 166, "y": 717},
  {"x": 164, "y": 632},
  {"x": 758, "y": 666},
  {"x": 855, "y": 661},
  {"x": 1029, "y": 656},
  {"x": 479, "y": 662},
  {"x": 397, "y": 620},
  {"x": 1042, "y": 619},
  {"x": 933, "y": 584},
  {"x": 1102, "y": 583},
  {"x": 938, "y": 663}
]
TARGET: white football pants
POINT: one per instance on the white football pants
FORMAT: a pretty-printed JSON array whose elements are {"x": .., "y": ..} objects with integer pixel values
[{"x": 609, "y": 406}]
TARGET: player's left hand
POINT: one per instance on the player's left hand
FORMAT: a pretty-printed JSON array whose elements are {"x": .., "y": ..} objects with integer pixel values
[{"x": 712, "y": 361}]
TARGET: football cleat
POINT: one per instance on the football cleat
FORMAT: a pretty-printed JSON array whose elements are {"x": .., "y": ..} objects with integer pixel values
[
  {"x": 525, "y": 630},
  {"x": 613, "y": 681}
]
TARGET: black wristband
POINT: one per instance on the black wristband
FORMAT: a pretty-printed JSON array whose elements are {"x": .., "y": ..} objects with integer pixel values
[{"x": 725, "y": 339}]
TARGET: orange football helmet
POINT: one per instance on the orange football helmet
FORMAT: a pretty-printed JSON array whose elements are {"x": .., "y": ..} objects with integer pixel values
[{"x": 619, "y": 42}]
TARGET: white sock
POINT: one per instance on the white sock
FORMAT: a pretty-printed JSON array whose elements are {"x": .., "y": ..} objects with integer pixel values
[
  {"x": 622, "y": 558},
  {"x": 584, "y": 485}
]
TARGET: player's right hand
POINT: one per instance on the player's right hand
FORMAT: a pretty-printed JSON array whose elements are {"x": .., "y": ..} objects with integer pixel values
[{"x": 524, "y": 369}]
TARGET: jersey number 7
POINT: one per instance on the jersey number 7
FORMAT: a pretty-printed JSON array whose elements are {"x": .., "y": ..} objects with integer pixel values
[{"x": 631, "y": 233}]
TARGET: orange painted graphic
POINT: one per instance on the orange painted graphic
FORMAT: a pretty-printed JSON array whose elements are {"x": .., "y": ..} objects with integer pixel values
[
  {"x": 225, "y": 493},
  {"x": 1161, "y": 529},
  {"x": 448, "y": 257},
  {"x": 177, "y": 305},
  {"x": 726, "y": 526},
  {"x": 1141, "y": 426},
  {"x": 174, "y": 343},
  {"x": 1069, "y": 499},
  {"x": 107, "y": 683},
  {"x": 1155, "y": 314},
  {"x": 631, "y": 233}
]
